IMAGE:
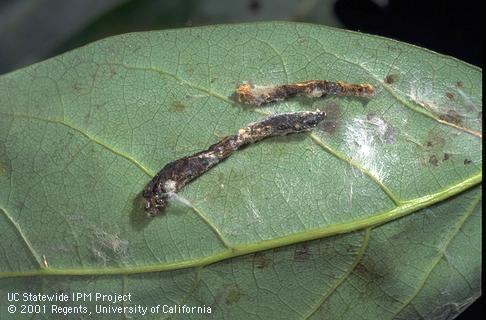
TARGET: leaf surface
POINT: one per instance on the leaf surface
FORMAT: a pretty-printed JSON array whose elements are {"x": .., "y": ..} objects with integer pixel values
[{"x": 374, "y": 215}]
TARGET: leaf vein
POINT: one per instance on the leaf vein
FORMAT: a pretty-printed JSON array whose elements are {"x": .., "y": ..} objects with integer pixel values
[
  {"x": 125, "y": 156},
  {"x": 442, "y": 250},
  {"x": 88, "y": 136},
  {"x": 333, "y": 288},
  {"x": 358, "y": 166},
  {"x": 16, "y": 226},
  {"x": 313, "y": 234}
]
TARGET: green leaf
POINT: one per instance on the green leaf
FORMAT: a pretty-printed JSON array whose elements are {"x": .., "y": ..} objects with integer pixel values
[{"x": 374, "y": 215}]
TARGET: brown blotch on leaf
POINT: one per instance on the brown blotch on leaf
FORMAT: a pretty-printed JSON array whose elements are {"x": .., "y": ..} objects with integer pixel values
[
  {"x": 450, "y": 95},
  {"x": 451, "y": 116},
  {"x": 395, "y": 237},
  {"x": 391, "y": 78},
  {"x": 467, "y": 161},
  {"x": 178, "y": 107},
  {"x": 369, "y": 271},
  {"x": 370, "y": 115},
  {"x": 302, "y": 252},
  {"x": 19, "y": 205},
  {"x": 459, "y": 84},
  {"x": 333, "y": 113},
  {"x": 254, "y": 6},
  {"x": 261, "y": 261},
  {"x": 447, "y": 156},
  {"x": 233, "y": 296},
  {"x": 228, "y": 294},
  {"x": 433, "y": 160}
]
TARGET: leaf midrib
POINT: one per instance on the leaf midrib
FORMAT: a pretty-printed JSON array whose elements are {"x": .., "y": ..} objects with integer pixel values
[
  {"x": 359, "y": 256},
  {"x": 345, "y": 227}
]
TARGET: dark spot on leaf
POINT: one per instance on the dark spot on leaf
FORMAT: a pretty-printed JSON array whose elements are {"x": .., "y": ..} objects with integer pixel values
[
  {"x": 467, "y": 161},
  {"x": 302, "y": 252},
  {"x": 233, "y": 296},
  {"x": 228, "y": 294},
  {"x": 391, "y": 78},
  {"x": 333, "y": 114},
  {"x": 447, "y": 156},
  {"x": 370, "y": 115},
  {"x": 254, "y": 6},
  {"x": 261, "y": 261},
  {"x": 395, "y": 237},
  {"x": 433, "y": 160},
  {"x": 450, "y": 95},
  {"x": 76, "y": 86},
  {"x": 368, "y": 270},
  {"x": 459, "y": 84},
  {"x": 434, "y": 140},
  {"x": 20, "y": 206},
  {"x": 177, "y": 107},
  {"x": 452, "y": 117}
]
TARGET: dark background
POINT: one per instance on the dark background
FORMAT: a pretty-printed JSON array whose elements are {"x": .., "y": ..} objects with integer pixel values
[
  {"x": 449, "y": 27},
  {"x": 34, "y": 30}
]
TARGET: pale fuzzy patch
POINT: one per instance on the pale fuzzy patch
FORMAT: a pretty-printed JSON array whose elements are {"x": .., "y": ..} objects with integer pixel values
[
  {"x": 316, "y": 93},
  {"x": 253, "y": 217},
  {"x": 467, "y": 99},
  {"x": 105, "y": 247},
  {"x": 109, "y": 247},
  {"x": 361, "y": 143},
  {"x": 213, "y": 158},
  {"x": 257, "y": 217},
  {"x": 364, "y": 141},
  {"x": 112, "y": 242},
  {"x": 380, "y": 123},
  {"x": 179, "y": 199},
  {"x": 423, "y": 95},
  {"x": 435, "y": 101},
  {"x": 170, "y": 186},
  {"x": 257, "y": 90}
]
